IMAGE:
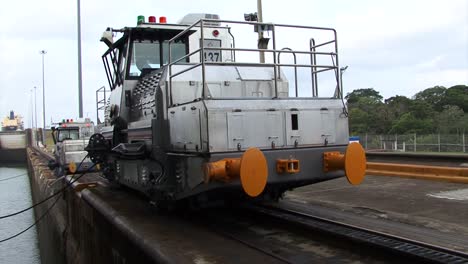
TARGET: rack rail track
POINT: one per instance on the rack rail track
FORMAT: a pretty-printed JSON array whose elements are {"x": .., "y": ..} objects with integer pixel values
[{"x": 387, "y": 243}]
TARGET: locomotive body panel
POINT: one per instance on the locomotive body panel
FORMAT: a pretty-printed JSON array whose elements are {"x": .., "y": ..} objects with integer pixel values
[{"x": 268, "y": 124}]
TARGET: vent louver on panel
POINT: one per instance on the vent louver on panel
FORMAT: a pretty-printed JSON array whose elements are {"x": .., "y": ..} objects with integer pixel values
[{"x": 143, "y": 96}]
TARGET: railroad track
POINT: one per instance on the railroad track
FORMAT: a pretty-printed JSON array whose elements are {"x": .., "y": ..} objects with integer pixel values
[
  {"x": 387, "y": 244},
  {"x": 279, "y": 243}
]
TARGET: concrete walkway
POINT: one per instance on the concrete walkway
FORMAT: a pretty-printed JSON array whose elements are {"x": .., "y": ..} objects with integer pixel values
[{"x": 438, "y": 207}]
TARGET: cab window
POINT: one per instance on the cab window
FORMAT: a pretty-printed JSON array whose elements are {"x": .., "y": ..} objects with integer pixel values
[
  {"x": 178, "y": 51},
  {"x": 68, "y": 134},
  {"x": 147, "y": 55}
]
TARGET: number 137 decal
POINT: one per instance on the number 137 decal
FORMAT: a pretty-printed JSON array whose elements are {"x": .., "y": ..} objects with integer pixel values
[{"x": 212, "y": 56}]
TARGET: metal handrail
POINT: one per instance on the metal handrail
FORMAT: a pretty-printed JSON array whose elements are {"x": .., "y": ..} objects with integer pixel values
[
  {"x": 268, "y": 64},
  {"x": 186, "y": 56},
  {"x": 233, "y": 52},
  {"x": 275, "y": 70},
  {"x": 186, "y": 70},
  {"x": 202, "y": 51},
  {"x": 313, "y": 61},
  {"x": 338, "y": 67},
  {"x": 170, "y": 63},
  {"x": 295, "y": 68},
  {"x": 315, "y": 69},
  {"x": 325, "y": 43},
  {"x": 267, "y": 50}
]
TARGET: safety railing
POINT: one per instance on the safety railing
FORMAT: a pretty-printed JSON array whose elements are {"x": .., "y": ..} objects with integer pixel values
[
  {"x": 276, "y": 64},
  {"x": 101, "y": 102},
  {"x": 295, "y": 68}
]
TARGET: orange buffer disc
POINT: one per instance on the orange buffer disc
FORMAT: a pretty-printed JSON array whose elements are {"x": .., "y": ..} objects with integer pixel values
[
  {"x": 72, "y": 167},
  {"x": 355, "y": 163},
  {"x": 253, "y": 172}
]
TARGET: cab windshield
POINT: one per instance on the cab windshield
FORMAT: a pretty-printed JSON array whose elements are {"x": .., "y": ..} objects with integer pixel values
[
  {"x": 68, "y": 134},
  {"x": 146, "y": 55}
]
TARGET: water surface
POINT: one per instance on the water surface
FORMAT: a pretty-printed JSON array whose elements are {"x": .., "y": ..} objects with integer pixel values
[{"x": 15, "y": 194}]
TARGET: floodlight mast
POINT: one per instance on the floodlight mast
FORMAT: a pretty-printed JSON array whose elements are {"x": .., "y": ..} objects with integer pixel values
[
  {"x": 80, "y": 85},
  {"x": 260, "y": 32},
  {"x": 43, "y": 53},
  {"x": 258, "y": 17},
  {"x": 35, "y": 109}
]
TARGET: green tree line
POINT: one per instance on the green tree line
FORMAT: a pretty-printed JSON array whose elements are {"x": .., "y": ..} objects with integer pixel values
[{"x": 434, "y": 110}]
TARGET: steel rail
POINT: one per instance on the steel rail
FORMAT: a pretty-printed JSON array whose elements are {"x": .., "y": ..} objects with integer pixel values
[
  {"x": 401, "y": 246},
  {"x": 251, "y": 245}
]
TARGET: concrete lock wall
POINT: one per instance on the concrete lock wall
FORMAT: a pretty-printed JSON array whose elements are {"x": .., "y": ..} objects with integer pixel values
[
  {"x": 74, "y": 231},
  {"x": 13, "y": 140},
  {"x": 13, "y": 146},
  {"x": 50, "y": 229}
]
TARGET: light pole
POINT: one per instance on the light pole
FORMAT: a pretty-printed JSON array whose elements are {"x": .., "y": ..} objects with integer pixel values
[
  {"x": 260, "y": 33},
  {"x": 80, "y": 88},
  {"x": 35, "y": 108},
  {"x": 43, "y": 53},
  {"x": 35, "y": 116},
  {"x": 258, "y": 17},
  {"x": 342, "y": 70},
  {"x": 31, "y": 120}
]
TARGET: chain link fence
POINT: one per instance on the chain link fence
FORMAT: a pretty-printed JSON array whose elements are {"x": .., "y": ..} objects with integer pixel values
[{"x": 416, "y": 142}]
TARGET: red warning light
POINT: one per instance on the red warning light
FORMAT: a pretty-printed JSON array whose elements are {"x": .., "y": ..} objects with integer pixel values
[
  {"x": 215, "y": 33},
  {"x": 163, "y": 20},
  {"x": 152, "y": 19}
]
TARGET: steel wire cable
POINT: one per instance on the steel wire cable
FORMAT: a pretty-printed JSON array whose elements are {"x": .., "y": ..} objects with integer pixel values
[
  {"x": 73, "y": 180},
  {"x": 12, "y": 177},
  {"x": 33, "y": 224}
]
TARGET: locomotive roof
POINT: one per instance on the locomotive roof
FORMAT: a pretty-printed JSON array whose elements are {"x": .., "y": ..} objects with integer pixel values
[{"x": 152, "y": 32}]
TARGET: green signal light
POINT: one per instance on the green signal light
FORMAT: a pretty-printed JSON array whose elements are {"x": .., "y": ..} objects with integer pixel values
[{"x": 140, "y": 19}]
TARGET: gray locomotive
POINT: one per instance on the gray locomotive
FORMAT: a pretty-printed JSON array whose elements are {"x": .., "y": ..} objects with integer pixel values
[{"x": 192, "y": 116}]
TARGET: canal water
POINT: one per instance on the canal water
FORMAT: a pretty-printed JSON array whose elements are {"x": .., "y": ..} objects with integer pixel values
[{"x": 15, "y": 194}]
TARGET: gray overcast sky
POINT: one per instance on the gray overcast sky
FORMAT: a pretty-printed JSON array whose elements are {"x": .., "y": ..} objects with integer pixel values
[{"x": 398, "y": 47}]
